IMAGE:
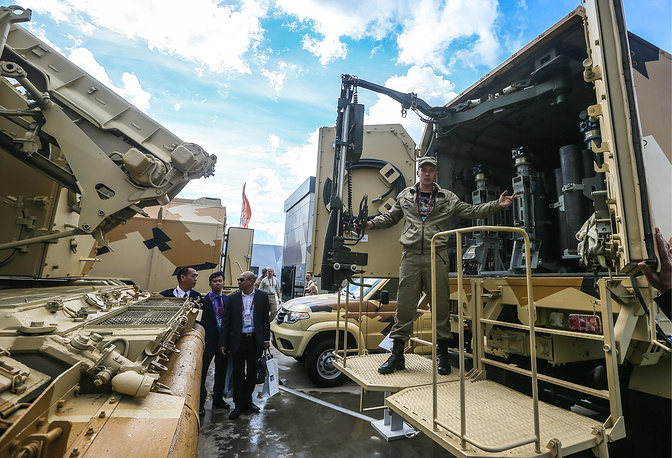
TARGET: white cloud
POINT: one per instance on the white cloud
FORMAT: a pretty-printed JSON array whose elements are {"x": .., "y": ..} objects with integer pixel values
[
  {"x": 428, "y": 28},
  {"x": 131, "y": 89},
  {"x": 275, "y": 79},
  {"x": 177, "y": 106},
  {"x": 328, "y": 49},
  {"x": 267, "y": 198},
  {"x": 301, "y": 161},
  {"x": 271, "y": 233},
  {"x": 429, "y": 87},
  {"x": 264, "y": 190},
  {"x": 223, "y": 91},
  {"x": 133, "y": 92},
  {"x": 333, "y": 20},
  {"x": 433, "y": 25},
  {"x": 274, "y": 141},
  {"x": 211, "y": 35},
  {"x": 58, "y": 10}
]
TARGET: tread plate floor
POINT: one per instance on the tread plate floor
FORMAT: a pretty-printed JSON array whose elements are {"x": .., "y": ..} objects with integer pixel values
[
  {"x": 364, "y": 371},
  {"x": 496, "y": 415}
]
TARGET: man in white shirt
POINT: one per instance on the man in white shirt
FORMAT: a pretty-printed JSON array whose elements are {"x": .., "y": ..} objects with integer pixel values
[
  {"x": 271, "y": 285},
  {"x": 245, "y": 333},
  {"x": 186, "y": 281},
  {"x": 311, "y": 285}
]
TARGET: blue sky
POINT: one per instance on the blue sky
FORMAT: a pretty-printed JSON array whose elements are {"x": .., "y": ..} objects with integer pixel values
[{"x": 251, "y": 81}]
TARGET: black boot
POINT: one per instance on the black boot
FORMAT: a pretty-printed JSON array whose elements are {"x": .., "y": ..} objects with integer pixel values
[
  {"x": 396, "y": 359},
  {"x": 442, "y": 363}
]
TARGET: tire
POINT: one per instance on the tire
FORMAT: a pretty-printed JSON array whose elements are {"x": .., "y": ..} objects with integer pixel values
[{"x": 319, "y": 365}]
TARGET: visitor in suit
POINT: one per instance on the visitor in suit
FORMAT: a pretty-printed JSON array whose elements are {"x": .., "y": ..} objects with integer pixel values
[
  {"x": 245, "y": 333},
  {"x": 186, "y": 281},
  {"x": 213, "y": 305}
]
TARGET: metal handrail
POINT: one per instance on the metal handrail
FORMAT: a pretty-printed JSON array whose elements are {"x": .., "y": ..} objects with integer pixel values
[
  {"x": 558, "y": 332},
  {"x": 604, "y": 394},
  {"x": 461, "y": 303},
  {"x": 362, "y": 335},
  {"x": 421, "y": 341}
]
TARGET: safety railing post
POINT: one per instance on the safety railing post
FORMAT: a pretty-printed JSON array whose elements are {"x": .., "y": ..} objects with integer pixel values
[
  {"x": 338, "y": 322},
  {"x": 476, "y": 321},
  {"x": 461, "y": 299},
  {"x": 433, "y": 311},
  {"x": 533, "y": 341}
]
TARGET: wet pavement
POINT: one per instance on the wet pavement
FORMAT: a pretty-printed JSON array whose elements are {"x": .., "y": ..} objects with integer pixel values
[
  {"x": 305, "y": 421},
  {"x": 295, "y": 422}
]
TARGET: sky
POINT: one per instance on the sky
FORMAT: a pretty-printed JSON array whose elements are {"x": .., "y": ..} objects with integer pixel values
[{"x": 252, "y": 81}]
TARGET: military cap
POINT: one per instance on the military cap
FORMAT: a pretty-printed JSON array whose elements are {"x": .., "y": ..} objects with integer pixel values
[{"x": 426, "y": 160}]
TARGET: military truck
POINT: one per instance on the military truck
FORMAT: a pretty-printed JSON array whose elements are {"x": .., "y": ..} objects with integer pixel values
[
  {"x": 577, "y": 124},
  {"x": 85, "y": 361}
]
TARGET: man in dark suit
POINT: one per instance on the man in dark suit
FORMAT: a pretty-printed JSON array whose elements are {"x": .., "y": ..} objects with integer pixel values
[
  {"x": 245, "y": 332},
  {"x": 186, "y": 281},
  {"x": 214, "y": 304}
]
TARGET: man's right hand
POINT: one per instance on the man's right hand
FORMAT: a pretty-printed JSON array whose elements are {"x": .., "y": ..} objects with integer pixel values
[
  {"x": 357, "y": 223},
  {"x": 223, "y": 350},
  {"x": 662, "y": 280}
]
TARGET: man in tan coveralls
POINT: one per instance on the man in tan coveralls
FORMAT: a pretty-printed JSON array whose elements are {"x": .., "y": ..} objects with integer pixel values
[{"x": 428, "y": 210}]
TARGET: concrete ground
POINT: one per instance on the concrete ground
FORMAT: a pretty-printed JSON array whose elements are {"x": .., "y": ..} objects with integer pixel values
[{"x": 296, "y": 422}]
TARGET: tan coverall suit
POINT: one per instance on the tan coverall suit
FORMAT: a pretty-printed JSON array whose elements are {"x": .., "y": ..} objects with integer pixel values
[{"x": 416, "y": 239}]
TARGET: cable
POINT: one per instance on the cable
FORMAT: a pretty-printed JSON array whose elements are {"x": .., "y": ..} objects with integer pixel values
[
  {"x": 375, "y": 164},
  {"x": 659, "y": 331}
]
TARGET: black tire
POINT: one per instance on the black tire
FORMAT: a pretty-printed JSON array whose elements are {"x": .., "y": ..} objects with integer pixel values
[{"x": 319, "y": 365}]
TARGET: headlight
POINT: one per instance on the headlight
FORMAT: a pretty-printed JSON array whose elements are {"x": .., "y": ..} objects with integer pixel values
[{"x": 293, "y": 317}]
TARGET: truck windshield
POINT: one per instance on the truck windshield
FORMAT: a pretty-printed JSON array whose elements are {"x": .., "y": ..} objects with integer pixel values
[{"x": 354, "y": 290}]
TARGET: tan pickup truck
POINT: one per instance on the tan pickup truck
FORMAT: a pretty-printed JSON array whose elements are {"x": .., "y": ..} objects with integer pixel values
[{"x": 305, "y": 327}]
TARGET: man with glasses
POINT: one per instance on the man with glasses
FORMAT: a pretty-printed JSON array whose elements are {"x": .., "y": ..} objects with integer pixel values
[{"x": 245, "y": 333}]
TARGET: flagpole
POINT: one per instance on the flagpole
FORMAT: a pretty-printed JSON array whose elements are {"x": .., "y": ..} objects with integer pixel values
[{"x": 242, "y": 206}]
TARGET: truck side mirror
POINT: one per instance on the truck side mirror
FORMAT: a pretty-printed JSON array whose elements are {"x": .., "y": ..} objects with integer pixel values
[{"x": 384, "y": 297}]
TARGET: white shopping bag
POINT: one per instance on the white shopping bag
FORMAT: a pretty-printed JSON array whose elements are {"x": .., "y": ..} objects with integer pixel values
[
  {"x": 387, "y": 343},
  {"x": 271, "y": 384}
]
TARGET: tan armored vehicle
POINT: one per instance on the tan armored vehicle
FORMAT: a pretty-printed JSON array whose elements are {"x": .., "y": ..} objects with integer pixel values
[
  {"x": 88, "y": 367},
  {"x": 560, "y": 346}
]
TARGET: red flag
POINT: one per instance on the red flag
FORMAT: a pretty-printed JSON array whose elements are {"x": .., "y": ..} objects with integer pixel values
[{"x": 246, "y": 212}]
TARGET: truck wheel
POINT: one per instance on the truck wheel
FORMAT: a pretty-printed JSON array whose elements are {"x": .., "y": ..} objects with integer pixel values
[{"x": 320, "y": 367}]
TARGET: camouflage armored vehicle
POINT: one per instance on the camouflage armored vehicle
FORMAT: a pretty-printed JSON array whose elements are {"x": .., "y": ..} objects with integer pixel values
[
  {"x": 182, "y": 233},
  {"x": 88, "y": 367}
]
